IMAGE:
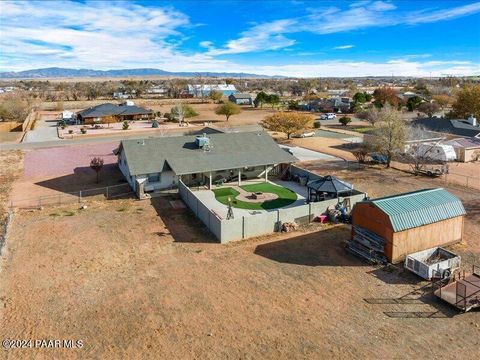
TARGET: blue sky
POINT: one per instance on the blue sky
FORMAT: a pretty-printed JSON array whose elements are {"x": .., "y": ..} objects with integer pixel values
[{"x": 292, "y": 38}]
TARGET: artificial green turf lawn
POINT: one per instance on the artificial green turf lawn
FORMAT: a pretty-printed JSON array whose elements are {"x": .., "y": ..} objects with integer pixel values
[{"x": 285, "y": 196}]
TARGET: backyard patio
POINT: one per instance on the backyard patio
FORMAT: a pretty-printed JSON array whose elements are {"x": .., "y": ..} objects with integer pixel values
[{"x": 273, "y": 194}]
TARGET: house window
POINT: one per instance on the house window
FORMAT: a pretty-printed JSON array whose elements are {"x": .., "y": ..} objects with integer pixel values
[{"x": 153, "y": 178}]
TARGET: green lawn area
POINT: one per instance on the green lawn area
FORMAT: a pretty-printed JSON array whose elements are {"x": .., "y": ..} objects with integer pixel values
[
  {"x": 285, "y": 196},
  {"x": 362, "y": 129}
]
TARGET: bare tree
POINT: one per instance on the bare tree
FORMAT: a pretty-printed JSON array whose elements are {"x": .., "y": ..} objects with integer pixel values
[
  {"x": 419, "y": 154},
  {"x": 389, "y": 136}
]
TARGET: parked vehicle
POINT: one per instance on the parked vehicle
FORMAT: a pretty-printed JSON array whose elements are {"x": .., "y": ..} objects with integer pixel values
[
  {"x": 307, "y": 134},
  {"x": 433, "y": 171},
  {"x": 323, "y": 117},
  {"x": 379, "y": 158},
  {"x": 331, "y": 116}
]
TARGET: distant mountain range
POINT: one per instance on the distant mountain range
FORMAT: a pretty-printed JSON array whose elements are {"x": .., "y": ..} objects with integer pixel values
[{"x": 55, "y": 72}]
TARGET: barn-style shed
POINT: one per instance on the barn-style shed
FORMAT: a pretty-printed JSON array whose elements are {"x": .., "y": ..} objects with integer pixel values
[{"x": 411, "y": 222}]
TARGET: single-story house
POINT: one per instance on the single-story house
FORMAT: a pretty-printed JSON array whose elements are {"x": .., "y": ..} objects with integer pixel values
[
  {"x": 160, "y": 163},
  {"x": 467, "y": 149},
  {"x": 120, "y": 95},
  {"x": 121, "y": 112},
  {"x": 204, "y": 90},
  {"x": 241, "y": 99},
  {"x": 458, "y": 127},
  {"x": 410, "y": 222}
]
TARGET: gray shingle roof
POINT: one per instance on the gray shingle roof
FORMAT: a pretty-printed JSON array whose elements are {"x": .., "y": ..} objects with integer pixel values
[
  {"x": 109, "y": 109},
  {"x": 456, "y": 127},
  {"x": 227, "y": 151},
  {"x": 467, "y": 143}
]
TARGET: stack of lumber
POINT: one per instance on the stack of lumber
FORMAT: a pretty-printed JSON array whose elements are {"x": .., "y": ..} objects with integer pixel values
[{"x": 367, "y": 245}]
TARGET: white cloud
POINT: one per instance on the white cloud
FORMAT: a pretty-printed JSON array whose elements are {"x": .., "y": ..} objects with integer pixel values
[
  {"x": 109, "y": 35},
  {"x": 262, "y": 37},
  {"x": 343, "y": 47},
  {"x": 364, "y": 68},
  {"x": 439, "y": 15},
  {"x": 359, "y": 15},
  {"x": 206, "y": 44},
  {"x": 99, "y": 35}
]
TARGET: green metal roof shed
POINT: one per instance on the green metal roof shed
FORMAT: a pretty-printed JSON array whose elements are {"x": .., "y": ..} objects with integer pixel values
[
  {"x": 419, "y": 208},
  {"x": 409, "y": 222}
]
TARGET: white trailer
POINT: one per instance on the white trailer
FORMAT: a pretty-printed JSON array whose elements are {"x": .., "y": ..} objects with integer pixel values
[
  {"x": 439, "y": 152},
  {"x": 435, "y": 262}
]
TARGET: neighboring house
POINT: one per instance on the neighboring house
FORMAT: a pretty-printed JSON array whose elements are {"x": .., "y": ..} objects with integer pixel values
[
  {"x": 341, "y": 104},
  {"x": 157, "y": 90},
  {"x": 318, "y": 105},
  {"x": 337, "y": 92},
  {"x": 241, "y": 99},
  {"x": 68, "y": 115},
  {"x": 464, "y": 128},
  {"x": 159, "y": 163},
  {"x": 120, "y": 95},
  {"x": 204, "y": 90},
  {"x": 467, "y": 149},
  {"x": 411, "y": 222},
  {"x": 121, "y": 112},
  {"x": 333, "y": 104}
]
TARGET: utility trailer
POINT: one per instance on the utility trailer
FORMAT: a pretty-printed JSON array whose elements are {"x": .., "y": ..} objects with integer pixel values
[
  {"x": 461, "y": 291},
  {"x": 433, "y": 263}
]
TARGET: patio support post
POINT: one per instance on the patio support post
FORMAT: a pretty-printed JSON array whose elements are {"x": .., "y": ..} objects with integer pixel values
[
  {"x": 239, "y": 177},
  {"x": 210, "y": 181},
  {"x": 266, "y": 173}
]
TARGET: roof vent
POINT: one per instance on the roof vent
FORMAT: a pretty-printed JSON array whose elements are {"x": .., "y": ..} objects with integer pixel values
[
  {"x": 472, "y": 120},
  {"x": 202, "y": 141}
]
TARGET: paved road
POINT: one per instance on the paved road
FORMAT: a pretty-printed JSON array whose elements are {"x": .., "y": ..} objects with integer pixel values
[
  {"x": 87, "y": 140},
  {"x": 49, "y": 142},
  {"x": 44, "y": 131}
]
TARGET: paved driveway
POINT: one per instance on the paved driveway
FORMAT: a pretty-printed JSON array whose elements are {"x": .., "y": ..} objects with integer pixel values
[
  {"x": 303, "y": 154},
  {"x": 45, "y": 130}
]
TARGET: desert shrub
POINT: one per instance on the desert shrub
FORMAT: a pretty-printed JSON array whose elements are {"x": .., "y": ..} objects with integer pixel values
[
  {"x": 317, "y": 124},
  {"x": 345, "y": 120},
  {"x": 125, "y": 125},
  {"x": 70, "y": 131},
  {"x": 83, "y": 130},
  {"x": 154, "y": 124}
]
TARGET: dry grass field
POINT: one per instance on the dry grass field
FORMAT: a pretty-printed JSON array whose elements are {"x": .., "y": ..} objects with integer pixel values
[{"x": 138, "y": 279}]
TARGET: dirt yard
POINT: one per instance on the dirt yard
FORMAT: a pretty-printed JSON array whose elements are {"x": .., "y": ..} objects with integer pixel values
[
  {"x": 58, "y": 170},
  {"x": 138, "y": 279},
  {"x": 10, "y": 170}
]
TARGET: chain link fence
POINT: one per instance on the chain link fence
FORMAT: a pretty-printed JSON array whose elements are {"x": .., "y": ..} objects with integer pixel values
[{"x": 109, "y": 192}]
